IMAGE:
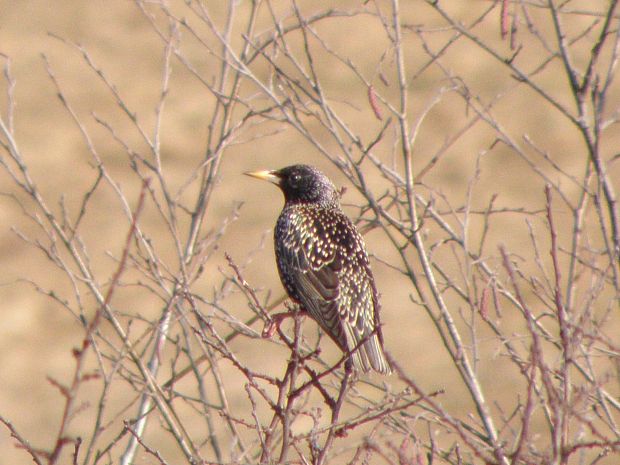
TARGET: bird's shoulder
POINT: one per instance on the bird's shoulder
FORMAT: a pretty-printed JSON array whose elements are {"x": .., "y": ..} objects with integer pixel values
[{"x": 326, "y": 235}]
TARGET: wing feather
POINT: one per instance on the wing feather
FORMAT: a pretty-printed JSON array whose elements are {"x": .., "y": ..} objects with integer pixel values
[{"x": 332, "y": 280}]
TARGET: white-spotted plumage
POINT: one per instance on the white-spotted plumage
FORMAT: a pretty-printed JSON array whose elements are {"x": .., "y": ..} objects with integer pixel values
[{"x": 324, "y": 266}]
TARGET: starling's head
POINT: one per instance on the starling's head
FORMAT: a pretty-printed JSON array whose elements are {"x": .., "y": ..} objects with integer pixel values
[{"x": 301, "y": 184}]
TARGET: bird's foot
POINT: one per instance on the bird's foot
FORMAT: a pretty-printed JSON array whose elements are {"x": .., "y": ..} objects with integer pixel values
[{"x": 274, "y": 324}]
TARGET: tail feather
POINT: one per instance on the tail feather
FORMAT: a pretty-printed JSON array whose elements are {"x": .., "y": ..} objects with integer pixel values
[
  {"x": 369, "y": 355},
  {"x": 374, "y": 352}
]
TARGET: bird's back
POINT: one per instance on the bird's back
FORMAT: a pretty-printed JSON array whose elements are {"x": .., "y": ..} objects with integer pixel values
[{"x": 324, "y": 266}]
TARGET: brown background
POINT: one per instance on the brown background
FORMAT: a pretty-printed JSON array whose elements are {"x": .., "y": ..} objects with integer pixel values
[{"x": 36, "y": 336}]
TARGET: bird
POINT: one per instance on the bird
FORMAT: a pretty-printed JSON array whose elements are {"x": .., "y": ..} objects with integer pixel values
[{"x": 323, "y": 264}]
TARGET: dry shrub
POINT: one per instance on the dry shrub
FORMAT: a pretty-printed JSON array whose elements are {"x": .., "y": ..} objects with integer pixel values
[{"x": 478, "y": 140}]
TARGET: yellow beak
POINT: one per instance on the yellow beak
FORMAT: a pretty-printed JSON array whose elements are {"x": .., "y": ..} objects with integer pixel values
[{"x": 265, "y": 175}]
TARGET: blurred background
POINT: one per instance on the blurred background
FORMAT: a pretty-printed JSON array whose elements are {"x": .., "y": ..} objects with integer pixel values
[{"x": 479, "y": 137}]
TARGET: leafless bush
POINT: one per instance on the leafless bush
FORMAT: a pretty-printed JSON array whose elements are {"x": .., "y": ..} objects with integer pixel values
[{"x": 525, "y": 289}]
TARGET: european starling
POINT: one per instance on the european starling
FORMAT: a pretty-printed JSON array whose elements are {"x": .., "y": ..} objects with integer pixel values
[{"x": 324, "y": 266}]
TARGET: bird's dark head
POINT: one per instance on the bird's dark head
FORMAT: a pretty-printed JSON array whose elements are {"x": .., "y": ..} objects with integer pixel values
[{"x": 301, "y": 184}]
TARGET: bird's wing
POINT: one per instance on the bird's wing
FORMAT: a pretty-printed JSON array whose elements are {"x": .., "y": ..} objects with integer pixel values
[
  {"x": 336, "y": 287},
  {"x": 316, "y": 284},
  {"x": 359, "y": 302}
]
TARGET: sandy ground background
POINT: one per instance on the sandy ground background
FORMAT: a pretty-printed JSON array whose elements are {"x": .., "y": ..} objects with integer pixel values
[{"x": 36, "y": 336}]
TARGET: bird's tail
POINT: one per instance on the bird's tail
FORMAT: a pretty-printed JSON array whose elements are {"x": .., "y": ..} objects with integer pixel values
[{"x": 367, "y": 353}]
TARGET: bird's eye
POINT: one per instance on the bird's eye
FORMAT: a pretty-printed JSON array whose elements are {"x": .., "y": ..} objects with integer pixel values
[{"x": 295, "y": 178}]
